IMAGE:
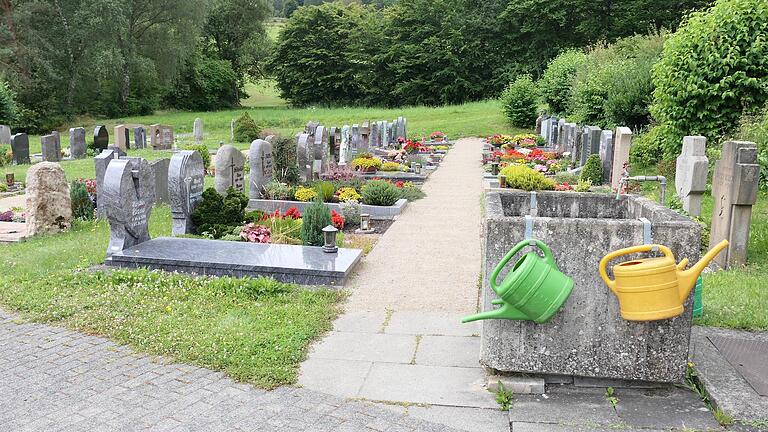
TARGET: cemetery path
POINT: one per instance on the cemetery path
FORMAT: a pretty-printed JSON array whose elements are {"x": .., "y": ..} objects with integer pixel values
[{"x": 401, "y": 339}]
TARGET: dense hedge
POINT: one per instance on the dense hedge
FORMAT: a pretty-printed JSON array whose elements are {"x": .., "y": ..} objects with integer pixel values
[{"x": 519, "y": 102}]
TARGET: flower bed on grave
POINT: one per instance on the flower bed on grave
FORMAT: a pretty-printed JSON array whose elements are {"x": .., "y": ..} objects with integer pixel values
[{"x": 15, "y": 214}]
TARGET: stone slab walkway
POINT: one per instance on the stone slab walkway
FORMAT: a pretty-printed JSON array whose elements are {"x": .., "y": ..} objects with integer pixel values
[
  {"x": 401, "y": 339},
  {"x": 54, "y": 379}
]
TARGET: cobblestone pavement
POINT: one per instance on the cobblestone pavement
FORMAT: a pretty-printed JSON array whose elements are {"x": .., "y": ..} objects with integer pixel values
[{"x": 54, "y": 379}]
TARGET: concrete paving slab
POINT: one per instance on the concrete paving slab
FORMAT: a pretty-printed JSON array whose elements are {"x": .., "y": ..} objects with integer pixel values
[
  {"x": 365, "y": 347},
  {"x": 360, "y": 322},
  {"x": 332, "y": 376},
  {"x": 449, "y": 351},
  {"x": 585, "y": 409},
  {"x": 430, "y": 323},
  {"x": 664, "y": 409},
  {"x": 435, "y": 385},
  {"x": 466, "y": 419},
  {"x": 548, "y": 427}
]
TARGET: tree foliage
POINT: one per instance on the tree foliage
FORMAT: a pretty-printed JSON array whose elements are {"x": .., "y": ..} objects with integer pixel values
[
  {"x": 519, "y": 102},
  {"x": 557, "y": 81}
]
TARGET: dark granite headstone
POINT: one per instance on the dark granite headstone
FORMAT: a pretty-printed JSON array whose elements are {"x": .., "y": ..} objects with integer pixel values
[
  {"x": 77, "y": 143},
  {"x": 51, "y": 147},
  {"x": 129, "y": 194},
  {"x": 260, "y": 156},
  {"x": 100, "y": 138},
  {"x": 185, "y": 189},
  {"x": 355, "y": 141},
  {"x": 20, "y": 148},
  {"x": 140, "y": 137},
  {"x": 160, "y": 171},
  {"x": 303, "y": 149},
  {"x": 101, "y": 162}
]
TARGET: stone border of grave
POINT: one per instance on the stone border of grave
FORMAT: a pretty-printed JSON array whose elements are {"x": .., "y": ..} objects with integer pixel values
[
  {"x": 376, "y": 212},
  {"x": 399, "y": 176}
]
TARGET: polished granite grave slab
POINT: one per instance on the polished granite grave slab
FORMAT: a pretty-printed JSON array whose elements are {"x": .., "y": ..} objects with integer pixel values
[{"x": 305, "y": 265}]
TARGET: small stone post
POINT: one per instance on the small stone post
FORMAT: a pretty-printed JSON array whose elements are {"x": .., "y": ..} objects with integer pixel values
[
  {"x": 622, "y": 141},
  {"x": 691, "y": 173}
]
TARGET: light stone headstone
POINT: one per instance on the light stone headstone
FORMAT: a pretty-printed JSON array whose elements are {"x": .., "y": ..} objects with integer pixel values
[
  {"x": 322, "y": 144},
  {"x": 560, "y": 143},
  {"x": 375, "y": 136},
  {"x": 400, "y": 127},
  {"x": 383, "y": 141},
  {"x": 622, "y": 141},
  {"x": 129, "y": 194},
  {"x": 77, "y": 147},
  {"x": 405, "y": 128},
  {"x": 122, "y": 139},
  {"x": 186, "y": 176},
  {"x": 544, "y": 128},
  {"x": 160, "y": 171},
  {"x": 365, "y": 136},
  {"x": 100, "y": 138},
  {"x": 606, "y": 154},
  {"x": 20, "y": 148},
  {"x": 539, "y": 123},
  {"x": 590, "y": 143},
  {"x": 51, "y": 148},
  {"x": 230, "y": 169},
  {"x": 355, "y": 141},
  {"x": 551, "y": 138},
  {"x": 161, "y": 137},
  {"x": 260, "y": 158},
  {"x": 47, "y": 203},
  {"x": 734, "y": 191},
  {"x": 197, "y": 130},
  {"x": 101, "y": 162},
  {"x": 5, "y": 134},
  {"x": 344, "y": 153},
  {"x": 140, "y": 138},
  {"x": 570, "y": 139},
  {"x": 303, "y": 156},
  {"x": 691, "y": 170}
]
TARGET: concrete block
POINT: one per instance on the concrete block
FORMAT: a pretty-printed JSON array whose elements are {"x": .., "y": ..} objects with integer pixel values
[{"x": 517, "y": 384}]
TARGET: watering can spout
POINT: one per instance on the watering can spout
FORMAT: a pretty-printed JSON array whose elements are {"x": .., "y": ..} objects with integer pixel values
[
  {"x": 687, "y": 278},
  {"x": 506, "y": 311}
]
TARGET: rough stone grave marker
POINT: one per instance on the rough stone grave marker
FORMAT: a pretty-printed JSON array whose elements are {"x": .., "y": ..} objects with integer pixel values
[
  {"x": 185, "y": 189},
  {"x": 354, "y": 142},
  {"x": 260, "y": 155},
  {"x": 344, "y": 146},
  {"x": 161, "y": 137},
  {"x": 122, "y": 137},
  {"x": 197, "y": 130},
  {"x": 606, "y": 154},
  {"x": 51, "y": 149},
  {"x": 303, "y": 156},
  {"x": 101, "y": 162},
  {"x": 77, "y": 146},
  {"x": 129, "y": 194},
  {"x": 734, "y": 190},
  {"x": 230, "y": 169},
  {"x": 100, "y": 138},
  {"x": 160, "y": 171},
  {"x": 20, "y": 148},
  {"x": 140, "y": 138},
  {"x": 590, "y": 143},
  {"x": 5, "y": 134},
  {"x": 48, "y": 205},
  {"x": 691, "y": 169},
  {"x": 622, "y": 141}
]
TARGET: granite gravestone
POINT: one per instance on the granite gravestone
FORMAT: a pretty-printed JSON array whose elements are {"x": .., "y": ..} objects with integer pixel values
[
  {"x": 100, "y": 138},
  {"x": 122, "y": 137},
  {"x": 230, "y": 169},
  {"x": 185, "y": 189},
  {"x": 51, "y": 147},
  {"x": 734, "y": 191},
  {"x": 365, "y": 136},
  {"x": 197, "y": 131},
  {"x": 160, "y": 171},
  {"x": 140, "y": 138},
  {"x": 260, "y": 156},
  {"x": 383, "y": 134},
  {"x": 622, "y": 141},
  {"x": 405, "y": 128},
  {"x": 606, "y": 154},
  {"x": 560, "y": 144},
  {"x": 354, "y": 141},
  {"x": 322, "y": 146},
  {"x": 545, "y": 128},
  {"x": 375, "y": 136},
  {"x": 539, "y": 123},
  {"x": 303, "y": 158},
  {"x": 332, "y": 142},
  {"x": 552, "y": 131},
  {"x": 401, "y": 127},
  {"x": 590, "y": 143},
  {"x": 77, "y": 146},
  {"x": 129, "y": 194},
  {"x": 570, "y": 138},
  {"x": 5, "y": 134},
  {"x": 309, "y": 129},
  {"x": 101, "y": 162},
  {"x": 20, "y": 148},
  {"x": 691, "y": 169},
  {"x": 344, "y": 146},
  {"x": 161, "y": 137}
]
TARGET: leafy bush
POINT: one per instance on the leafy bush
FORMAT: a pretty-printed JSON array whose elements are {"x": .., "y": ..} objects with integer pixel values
[
  {"x": 556, "y": 82},
  {"x": 204, "y": 153},
  {"x": 583, "y": 185},
  {"x": 411, "y": 192},
  {"x": 380, "y": 193},
  {"x": 712, "y": 69},
  {"x": 755, "y": 128},
  {"x": 8, "y": 110},
  {"x": 650, "y": 147},
  {"x": 340, "y": 173},
  {"x": 593, "y": 170},
  {"x": 216, "y": 215},
  {"x": 279, "y": 191},
  {"x": 522, "y": 177},
  {"x": 82, "y": 206},
  {"x": 316, "y": 217},
  {"x": 566, "y": 177},
  {"x": 6, "y": 155},
  {"x": 246, "y": 129},
  {"x": 284, "y": 164},
  {"x": 519, "y": 102},
  {"x": 305, "y": 194},
  {"x": 351, "y": 212},
  {"x": 325, "y": 190},
  {"x": 205, "y": 84}
]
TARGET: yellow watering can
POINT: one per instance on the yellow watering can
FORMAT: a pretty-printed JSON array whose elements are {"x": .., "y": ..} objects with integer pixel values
[{"x": 653, "y": 288}]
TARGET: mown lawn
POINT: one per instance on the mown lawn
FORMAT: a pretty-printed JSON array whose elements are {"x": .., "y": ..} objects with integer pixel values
[{"x": 255, "y": 330}]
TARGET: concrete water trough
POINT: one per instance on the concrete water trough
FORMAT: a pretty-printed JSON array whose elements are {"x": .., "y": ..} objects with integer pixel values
[{"x": 587, "y": 337}]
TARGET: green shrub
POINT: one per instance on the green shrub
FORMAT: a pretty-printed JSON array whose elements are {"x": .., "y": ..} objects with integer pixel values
[
  {"x": 279, "y": 191},
  {"x": 519, "y": 102},
  {"x": 246, "y": 129},
  {"x": 522, "y": 177},
  {"x": 316, "y": 217},
  {"x": 566, "y": 177},
  {"x": 583, "y": 186},
  {"x": 216, "y": 215},
  {"x": 350, "y": 210},
  {"x": 556, "y": 82},
  {"x": 325, "y": 190},
  {"x": 8, "y": 110},
  {"x": 755, "y": 128},
  {"x": 82, "y": 206},
  {"x": 411, "y": 192},
  {"x": 593, "y": 170},
  {"x": 204, "y": 84},
  {"x": 6, "y": 155},
  {"x": 284, "y": 166},
  {"x": 380, "y": 193},
  {"x": 712, "y": 69},
  {"x": 204, "y": 153},
  {"x": 650, "y": 147}
]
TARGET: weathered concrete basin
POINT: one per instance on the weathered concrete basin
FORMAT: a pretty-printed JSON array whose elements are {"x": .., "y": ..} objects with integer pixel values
[{"x": 587, "y": 337}]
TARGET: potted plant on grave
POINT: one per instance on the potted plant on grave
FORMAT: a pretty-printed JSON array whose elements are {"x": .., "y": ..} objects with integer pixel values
[
  {"x": 412, "y": 147},
  {"x": 437, "y": 136}
]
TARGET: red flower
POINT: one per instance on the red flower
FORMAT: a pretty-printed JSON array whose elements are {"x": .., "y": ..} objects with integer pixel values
[
  {"x": 292, "y": 212},
  {"x": 337, "y": 220}
]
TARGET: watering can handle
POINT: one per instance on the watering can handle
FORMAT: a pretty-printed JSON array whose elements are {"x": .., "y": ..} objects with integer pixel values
[
  {"x": 518, "y": 247},
  {"x": 626, "y": 251}
]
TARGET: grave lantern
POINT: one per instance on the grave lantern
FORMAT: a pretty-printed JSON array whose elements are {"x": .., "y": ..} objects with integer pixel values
[
  {"x": 495, "y": 168},
  {"x": 502, "y": 181},
  {"x": 9, "y": 178},
  {"x": 329, "y": 233},
  {"x": 365, "y": 222},
  {"x": 417, "y": 168}
]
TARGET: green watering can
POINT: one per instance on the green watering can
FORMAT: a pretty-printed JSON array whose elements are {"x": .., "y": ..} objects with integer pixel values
[{"x": 534, "y": 290}]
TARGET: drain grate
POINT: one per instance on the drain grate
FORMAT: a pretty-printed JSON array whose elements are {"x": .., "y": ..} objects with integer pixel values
[{"x": 749, "y": 357}]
